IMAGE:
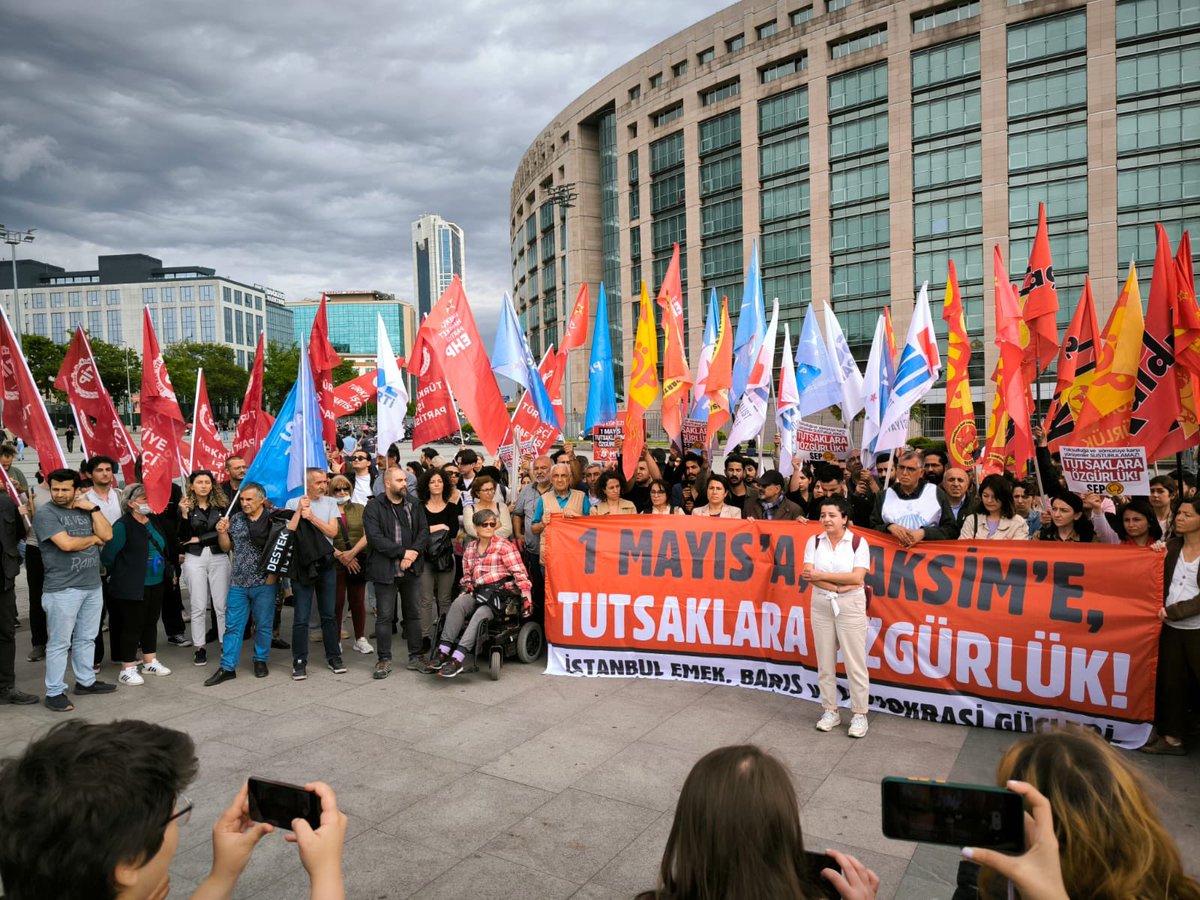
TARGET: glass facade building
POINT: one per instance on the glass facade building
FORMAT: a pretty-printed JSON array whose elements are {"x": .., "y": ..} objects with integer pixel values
[
  {"x": 439, "y": 253},
  {"x": 862, "y": 145}
]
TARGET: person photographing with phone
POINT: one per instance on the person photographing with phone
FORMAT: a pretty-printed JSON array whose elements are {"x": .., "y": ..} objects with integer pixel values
[
  {"x": 836, "y": 564},
  {"x": 115, "y": 837}
]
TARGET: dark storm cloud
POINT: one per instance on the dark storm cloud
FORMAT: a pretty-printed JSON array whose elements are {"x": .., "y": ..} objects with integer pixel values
[{"x": 292, "y": 143}]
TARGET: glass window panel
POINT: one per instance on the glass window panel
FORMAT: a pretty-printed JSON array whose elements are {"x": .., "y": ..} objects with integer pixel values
[
  {"x": 953, "y": 164},
  {"x": 862, "y": 279},
  {"x": 666, "y": 152},
  {"x": 858, "y": 232},
  {"x": 954, "y": 113},
  {"x": 858, "y": 87},
  {"x": 113, "y": 298},
  {"x": 1162, "y": 127},
  {"x": 946, "y": 15},
  {"x": 1048, "y": 147},
  {"x": 667, "y": 231},
  {"x": 858, "y": 136},
  {"x": 1052, "y": 36},
  {"x": 1160, "y": 70},
  {"x": 1136, "y": 18},
  {"x": 1175, "y": 182},
  {"x": 722, "y": 259},
  {"x": 782, "y": 110},
  {"x": 666, "y": 192},
  {"x": 792, "y": 290},
  {"x": 784, "y": 202},
  {"x": 856, "y": 43},
  {"x": 721, "y": 132},
  {"x": 668, "y": 115},
  {"x": 800, "y": 16},
  {"x": 716, "y": 94},
  {"x": 720, "y": 175},
  {"x": 945, "y": 62},
  {"x": 722, "y": 217},
  {"x": 789, "y": 245},
  {"x": 859, "y": 184},
  {"x": 783, "y": 156},
  {"x": 1063, "y": 198},
  {"x": 1058, "y": 90},
  {"x": 931, "y": 266},
  {"x": 947, "y": 216}
]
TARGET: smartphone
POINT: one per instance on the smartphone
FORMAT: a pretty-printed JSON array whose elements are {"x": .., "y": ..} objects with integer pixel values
[
  {"x": 961, "y": 815},
  {"x": 277, "y": 803},
  {"x": 817, "y": 862}
]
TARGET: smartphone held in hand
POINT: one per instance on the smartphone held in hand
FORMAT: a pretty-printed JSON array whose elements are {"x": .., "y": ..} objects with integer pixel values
[
  {"x": 278, "y": 803},
  {"x": 960, "y": 815}
]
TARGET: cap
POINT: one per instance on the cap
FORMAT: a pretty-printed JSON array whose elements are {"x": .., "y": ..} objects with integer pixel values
[{"x": 770, "y": 477}]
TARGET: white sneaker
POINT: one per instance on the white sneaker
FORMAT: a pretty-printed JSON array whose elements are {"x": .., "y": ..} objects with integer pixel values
[
  {"x": 858, "y": 726},
  {"x": 155, "y": 668},
  {"x": 830, "y": 720},
  {"x": 131, "y": 676},
  {"x": 362, "y": 645}
]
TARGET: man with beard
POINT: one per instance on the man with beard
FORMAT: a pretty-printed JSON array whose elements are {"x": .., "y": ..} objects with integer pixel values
[
  {"x": 735, "y": 471},
  {"x": 693, "y": 465},
  {"x": 934, "y": 463},
  {"x": 638, "y": 490},
  {"x": 912, "y": 510}
]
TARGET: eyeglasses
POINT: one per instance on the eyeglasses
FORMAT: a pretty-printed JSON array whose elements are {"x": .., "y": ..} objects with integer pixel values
[
  {"x": 183, "y": 814},
  {"x": 361, "y": 458},
  {"x": 341, "y": 490},
  {"x": 657, "y": 491},
  {"x": 486, "y": 525},
  {"x": 452, "y": 474}
]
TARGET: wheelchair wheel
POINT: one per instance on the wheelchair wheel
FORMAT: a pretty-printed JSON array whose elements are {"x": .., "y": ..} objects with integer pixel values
[
  {"x": 529, "y": 642},
  {"x": 497, "y": 658}
]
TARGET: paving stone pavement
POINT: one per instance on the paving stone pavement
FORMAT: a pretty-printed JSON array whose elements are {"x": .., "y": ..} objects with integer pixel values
[{"x": 533, "y": 786}]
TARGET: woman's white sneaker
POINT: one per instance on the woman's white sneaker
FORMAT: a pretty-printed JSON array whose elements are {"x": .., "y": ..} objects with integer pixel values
[
  {"x": 362, "y": 645},
  {"x": 829, "y": 721},
  {"x": 858, "y": 726},
  {"x": 131, "y": 676},
  {"x": 155, "y": 668}
]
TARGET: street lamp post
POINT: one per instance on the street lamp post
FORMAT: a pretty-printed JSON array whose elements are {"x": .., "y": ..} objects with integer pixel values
[
  {"x": 564, "y": 196},
  {"x": 12, "y": 238}
]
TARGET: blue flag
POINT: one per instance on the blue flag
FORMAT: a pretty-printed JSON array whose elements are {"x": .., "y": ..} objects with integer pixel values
[
  {"x": 815, "y": 379},
  {"x": 602, "y": 391},
  {"x": 711, "y": 326},
  {"x": 751, "y": 328},
  {"x": 512, "y": 358}
]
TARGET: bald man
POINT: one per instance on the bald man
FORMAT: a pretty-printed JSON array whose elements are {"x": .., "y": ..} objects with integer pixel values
[{"x": 957, "y": 485}]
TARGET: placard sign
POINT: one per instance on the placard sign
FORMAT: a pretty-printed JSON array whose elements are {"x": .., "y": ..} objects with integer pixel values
[
  {"x": 1111, "y": 471},
  {"x": 606, "y": 441},
  {"x": 694, "y": 433},
  {"x": 822, "y": 442}
]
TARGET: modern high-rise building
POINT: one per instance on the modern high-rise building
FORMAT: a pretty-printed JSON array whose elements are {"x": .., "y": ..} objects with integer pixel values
[
  {"x": 186, "y": 303},
  {"x": 862, "y": 143},
  {"x": 353, "y": 318},
  {"x": 439, "y": 253}
]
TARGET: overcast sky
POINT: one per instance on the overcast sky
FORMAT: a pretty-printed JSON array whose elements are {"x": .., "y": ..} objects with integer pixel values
[{"x": 291, "y": 142}]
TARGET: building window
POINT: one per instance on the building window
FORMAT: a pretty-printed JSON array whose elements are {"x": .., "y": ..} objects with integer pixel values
[
  {"x": 207, "y": 293},
  {"x": 1049, "y": 147},
  {"x": 946, "y": 166},
  {"x": 228, "y": 325},
  {"x": 858, "y": 88},
  {"x": 767, "y": 29},
  {"x": 783, "y": 110},
  {"x": 112, "y": 298},
  {"x": 785, "y": 202},
  {"x": 258, "y": 303},
  {"x": 74, "y": 299},
  {"x": 721, "y": 132},
  {"x": 721, "y": 218},
  {"x": 168, "y": 295},
  {"x": 858, "y": 136},
  {"x": 800, "y": 16},
  {"x": 958, "y": 112},
  {"x": 656, "y": 80},
  {"x": 835, "y": 5},
  {"x": 635, "y": 204},
  {"x": 56, "y": 300},
  {"x": 93, "y": 298},
  {"x": 258, "y": 327},
  {"x": 666, "y": 153},
  {"x": 945, "y": 15},
  {"x": 856, "y": 185},
  {"x": 787, "y": 246},
  {"x": 720, "y": 92},
  {"x": 187, "y": 323},
  {"x": 58, "y": 328},
  {"x": 187, "y": 294},
  {"x": 1142, "y": 18},
  {"x": 95, "y": 323},
  {"x": 170, "y": 332},
  {"x": 237, "y": 320},
  {"x": 856, "y": 43},
  {"x": 679, "y": 69},
  {"x": 149, "y": 295},
  {"x": 721, "y": 174},
  {"x": 789, "y": 66},
  {"x": 721, "y": 259},
  {"x": 735, "y": 43},
  {"x": 945, "y": 63},
  {"x": 1039, "y": 95},
  {"x": 670, "y": 114},
  {"x": 706, "y": 56},
  {"x": 76, "y": 321},
  {"x": 1049, "y": 37},
  {"x": 632, "y": 160},
  {"x": 666, "y": 192},
  {"x": 208, "y": 325},
  {"x": 227, "y": 293},
  {"x": 635, "y": 92},
  {"x": 237, "y": 298},
  {"x": 39, "y": 325},
  {"x": 783, "y": 156}
]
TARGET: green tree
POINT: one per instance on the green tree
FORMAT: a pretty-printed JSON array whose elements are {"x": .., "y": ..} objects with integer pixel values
[
  {"x": 226, "y": 380},
  {"x": 111, "y": 362},
  {"x": 279, "y": 374},
  {"x": 45, "y": 359}
]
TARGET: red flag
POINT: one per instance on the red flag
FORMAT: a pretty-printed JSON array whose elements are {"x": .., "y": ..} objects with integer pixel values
[
  {"x": 162, "y": 422},
  {"x": 24, "y": 412},
  {"x": 536, "y": 436},
  {"x": 1187, "y": 314},
  {"x": 453, "y": 339},
  {"x": 254, "y": 424},
  {"x": 576, "y": 333},
  {"x": 101, "y": 430},
  {"x": 553, "y": 368},
  {"x": 435, "y": 416},
  {"x": 677, "y": 377},
  {"x": 324, "y": 359},
  {"x": 1014, "y": 438},
  {"x": 1076, "y": 368},
  {"x": 1155, "y": 413},
  {"x": 1039, "y": 305},
  {"x": 208, "y": 450},
  {"x": 720, "y": 377},
  {"x": 352, "y": 396}
]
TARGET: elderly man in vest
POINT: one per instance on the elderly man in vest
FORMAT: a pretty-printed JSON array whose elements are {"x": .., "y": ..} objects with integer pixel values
[
  {"x": 560, "y": 500},
  {"x": 911, "y": 510}
]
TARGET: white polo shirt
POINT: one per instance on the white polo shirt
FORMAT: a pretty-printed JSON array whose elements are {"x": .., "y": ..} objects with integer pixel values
[
  {"x": 110, "y": 506},
  {"x": 845, "y": 557}
]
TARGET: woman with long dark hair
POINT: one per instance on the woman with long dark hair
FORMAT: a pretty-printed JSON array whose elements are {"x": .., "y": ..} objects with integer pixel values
[
  {"x": 1066, "y": 521},
  {"x": 206, "y": 570},
  {"x": 1137, "y": 525},
  {"x": 995, "y": 517}
]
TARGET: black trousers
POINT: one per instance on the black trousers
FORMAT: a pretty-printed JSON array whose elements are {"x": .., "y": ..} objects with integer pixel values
[
  {"x": 8, "y": 635},
  {"x": 134, "y": 624},
  {"x": 35, "y": 577},
  {"x": 113, "y": 625},
  {"x": 1178, "y": 677},
  {"x": 172, "y": 601},
  {"x": 406, "y": 587}
]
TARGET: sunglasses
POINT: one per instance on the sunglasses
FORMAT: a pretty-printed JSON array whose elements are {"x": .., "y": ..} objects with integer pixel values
[
  {"x": 342, "y": 490},
  {"x": 486, "y": 525},
  {"x": 361, "y": 458}
]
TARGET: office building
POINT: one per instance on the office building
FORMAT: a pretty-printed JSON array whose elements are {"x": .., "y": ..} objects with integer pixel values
[
  {"x": 353, "y": 318},
  {"x": 863, "y": 143},
  {"x": 186, "y": 303},
  {"x": 439, "y": 253}
]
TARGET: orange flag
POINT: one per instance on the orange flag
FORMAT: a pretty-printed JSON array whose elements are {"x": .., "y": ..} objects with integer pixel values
[
  {"x": 1076, "y": 368},
  {"x": 1103, "y": 419},
  {"x": 643, "y": 386},
  {"x": 1154, "y": 416},
  {"x": 677, "y": 377},
  {"x": 720, "y": 377},
  {"x": 1039, "y": 305},
  {"x": 1187, "y": 314},
  {"x": 962, "y": 436},
  {"x": 1009, "y": 433}
]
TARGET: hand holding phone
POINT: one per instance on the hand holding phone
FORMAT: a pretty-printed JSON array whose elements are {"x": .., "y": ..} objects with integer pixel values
[
  {"x": 961, "y": 815},
  {"x": 278, "y": 803}
]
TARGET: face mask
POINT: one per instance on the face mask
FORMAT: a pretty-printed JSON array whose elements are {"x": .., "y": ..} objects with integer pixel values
[
  {"x": 143, "y": 509},
  {"x": 342, "y": 499}
]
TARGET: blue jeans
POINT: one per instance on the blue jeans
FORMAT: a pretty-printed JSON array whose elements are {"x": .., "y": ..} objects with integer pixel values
[
  {"x": 325, "y": 588},
  {"x": 258, "y": 601},
  {"x": 72, "y": 620}
]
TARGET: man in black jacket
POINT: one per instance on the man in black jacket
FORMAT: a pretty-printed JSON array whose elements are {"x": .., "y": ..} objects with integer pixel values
[
  {"x": 12, "y": 529},
  {"x": 397, "y": 535}
]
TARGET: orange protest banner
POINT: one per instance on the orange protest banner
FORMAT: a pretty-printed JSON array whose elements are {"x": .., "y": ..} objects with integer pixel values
[{"x": 994, "y": 634}]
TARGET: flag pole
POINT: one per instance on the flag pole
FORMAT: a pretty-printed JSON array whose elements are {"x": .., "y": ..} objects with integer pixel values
[
  {"x": 462, "y": 441},
  {"x": 304, "y": 413},
  {"x": 195, "y": 421},
  {"x": 15, "y": 494},
  {"x": 79, "y": 429}
]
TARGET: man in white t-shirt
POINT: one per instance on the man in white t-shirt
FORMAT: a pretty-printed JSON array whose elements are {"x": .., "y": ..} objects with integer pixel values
[
  {"x": 360, "y": 475},
  {"x": 321, "y": 512},
  {"x": 104, "y": 494},
  {"x": 911, "y": 510}
]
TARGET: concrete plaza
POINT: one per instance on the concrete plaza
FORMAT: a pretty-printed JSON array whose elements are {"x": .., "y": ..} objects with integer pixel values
[{"x": 533, "y": 786}]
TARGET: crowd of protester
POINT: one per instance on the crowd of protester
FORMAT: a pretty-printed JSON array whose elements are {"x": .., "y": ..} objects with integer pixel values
[{"x": 413, "y": 541}]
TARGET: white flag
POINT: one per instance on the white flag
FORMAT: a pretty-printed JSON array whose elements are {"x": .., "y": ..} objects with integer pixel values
[
  {"x": 787, "y": 407},
  {"x": 919, "y": 367},
  {"x": 391, "y": 394},
  {"x": 752, "y": 410},
  {"x": 845, "y": 369},
  {"x": 874, "y": 391}
]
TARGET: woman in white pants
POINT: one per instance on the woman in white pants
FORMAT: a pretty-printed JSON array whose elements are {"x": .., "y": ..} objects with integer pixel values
[
  {"x": 836, "y": 565},
  {"x": 205, "y": 567}
]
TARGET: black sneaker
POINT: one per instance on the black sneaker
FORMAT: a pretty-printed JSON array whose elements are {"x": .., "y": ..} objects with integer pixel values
[
  {"x": 96, "y": 687},
  {"x": 435, "y": 664},
  {"x": 220, "y": 676},
  {"x": 299, "y": 670},
  {"x": 179, "y": 640},
  {"x": 451, "y": 668},
  {"x": 260, "y": 669},
  {"x": 59, "y": 703},
  {"x": 280, "y": 644},
  {"x": 37, "y": 654},
  {"x": 416, "y": 664},
  {"x": 200, "y": 657},
  {"x": 20, "y": 698},
  {"x": 336, "y": 666}
]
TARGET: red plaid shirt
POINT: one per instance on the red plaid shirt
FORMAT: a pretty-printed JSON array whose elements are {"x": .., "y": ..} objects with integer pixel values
[{"x": 500, "y": 560}]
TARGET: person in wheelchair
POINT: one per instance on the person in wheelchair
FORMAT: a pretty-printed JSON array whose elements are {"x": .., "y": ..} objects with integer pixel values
[{"x": 487, "y": 561}]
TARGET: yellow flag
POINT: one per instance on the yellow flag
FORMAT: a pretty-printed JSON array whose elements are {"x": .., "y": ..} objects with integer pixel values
[{"x": 643, "y": 386}]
